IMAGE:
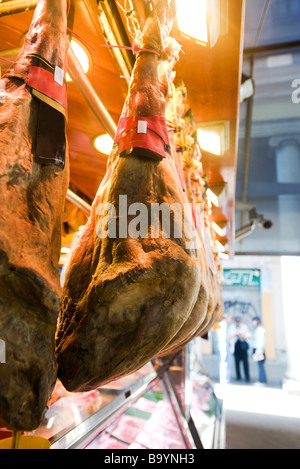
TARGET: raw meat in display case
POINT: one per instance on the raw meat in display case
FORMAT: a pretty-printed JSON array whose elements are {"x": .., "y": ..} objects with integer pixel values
[{"x": 149, "y": 424}]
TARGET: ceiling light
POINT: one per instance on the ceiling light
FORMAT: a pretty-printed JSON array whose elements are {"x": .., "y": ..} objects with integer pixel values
[
  {"x": 212, "y": 197},
  {"x": 65, "y": 250},
  {"x": 220, "y": 228},
  {"x": 210, "y": 142},
  {"x": 81, "y": 56},
  {"x": 224, "y": 256},
  {"x": 217, "y": 193},
  {"x": 221, "y": 244},
  {"x": 103, "y": 144},
  {"x": 202, "y": 20},
  {"x": 214, "y": 137},
  {"x": 191, "y": 18}
]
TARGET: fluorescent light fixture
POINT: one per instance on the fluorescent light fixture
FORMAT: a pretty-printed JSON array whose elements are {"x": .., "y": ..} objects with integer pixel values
[
  {"x": 81, "y": 56},
  {"x": 202, "y": 20},
  {"x": 220, "y": 228},
  {"x": 217, "y": 193},
  {"x": 214, "y": 137},
  {"x": 103, "y": 144},
  {"x": 115, "y": 34},
  {"x": 16, "y": 6}
]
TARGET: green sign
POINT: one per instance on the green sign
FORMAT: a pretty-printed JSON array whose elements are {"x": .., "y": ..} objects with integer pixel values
[{"x": 241, "y": 278}]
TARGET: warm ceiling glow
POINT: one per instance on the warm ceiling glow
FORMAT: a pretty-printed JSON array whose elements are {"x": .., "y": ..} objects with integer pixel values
[
  {"x": 104, "y": 144},
  {"x": 192, "y": 18},
  {"x": 81, "y": 56}
]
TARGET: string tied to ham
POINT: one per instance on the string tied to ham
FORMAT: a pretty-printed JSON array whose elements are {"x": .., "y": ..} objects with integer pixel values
[
  {"x": 134, "y": 48},
  {"x": 7, "y": 60}
]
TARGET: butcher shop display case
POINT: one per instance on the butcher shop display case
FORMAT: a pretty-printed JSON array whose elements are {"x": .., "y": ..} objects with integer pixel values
[
  {"x": 127, "y": 297},
  {"x": 168, "y": 404}
]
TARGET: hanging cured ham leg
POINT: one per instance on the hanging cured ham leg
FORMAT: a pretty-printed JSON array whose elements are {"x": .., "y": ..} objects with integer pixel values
[
  {"x": 33, "y": 186},
  {"x": 125, "y": 297},
  {"x": 209, "y": 306},
  {"x": 200, "y": 310}
]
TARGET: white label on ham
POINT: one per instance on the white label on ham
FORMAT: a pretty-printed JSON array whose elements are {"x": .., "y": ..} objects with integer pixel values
[
  {"x": 59, "y": 76},
  {"x": 142, "y": 127},
  {"x": 2, "y": 351},
  {"x": 2, "y": 92}
]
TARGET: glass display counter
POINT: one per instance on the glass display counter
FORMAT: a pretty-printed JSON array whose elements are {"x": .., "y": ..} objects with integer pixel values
[{"x": 165, "y": 405}]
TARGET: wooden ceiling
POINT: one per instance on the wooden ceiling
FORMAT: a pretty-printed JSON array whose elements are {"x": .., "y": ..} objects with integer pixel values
[{"x": 211, "y": 75}]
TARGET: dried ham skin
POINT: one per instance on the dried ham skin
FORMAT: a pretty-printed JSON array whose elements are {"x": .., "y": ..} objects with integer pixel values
[
  {"x": 32, "y": 201},
  {"x": 124, "y": 299}
]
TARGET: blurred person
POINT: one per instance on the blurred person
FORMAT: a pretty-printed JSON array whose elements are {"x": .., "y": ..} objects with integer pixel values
[
  {"x": 259, "y": 341},
  {"x": 224, "y": 349},
  {"x": 240, "y": 334}
]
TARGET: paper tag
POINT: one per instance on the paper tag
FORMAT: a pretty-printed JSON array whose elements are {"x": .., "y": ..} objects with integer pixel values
[
  {"x": 2, "y": 91},
  {"x": 142, "y": 127},
  {"x": 59, "y": 76}
]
